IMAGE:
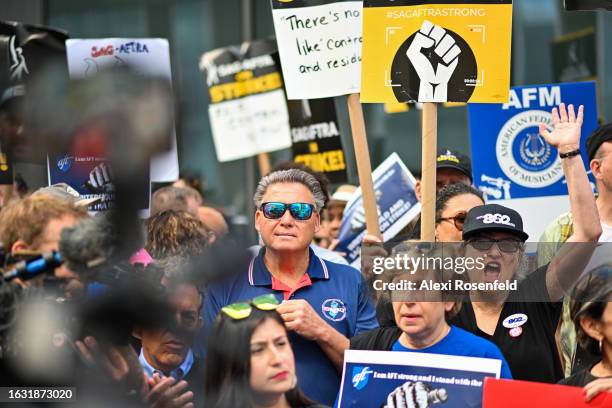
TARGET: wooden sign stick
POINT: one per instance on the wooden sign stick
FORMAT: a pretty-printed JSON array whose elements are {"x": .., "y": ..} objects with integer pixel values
[
  {"x": 364, "y": 167},
  {"x": 428, "y": 171},
  {"x": 263, "y": 159}
]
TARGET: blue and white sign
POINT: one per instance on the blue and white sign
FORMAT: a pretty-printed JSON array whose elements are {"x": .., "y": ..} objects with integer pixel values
[
  {"x": 525, "y": 166},
  {"x": 370, "y": 378},
  {"x": 147, "y": 56},
  {"x": 361, "y": 376},
  {"x": 397, "y": 206}
]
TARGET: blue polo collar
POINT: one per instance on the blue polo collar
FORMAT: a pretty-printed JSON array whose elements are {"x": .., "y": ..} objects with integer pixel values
[{"x": 259, "y": 275}]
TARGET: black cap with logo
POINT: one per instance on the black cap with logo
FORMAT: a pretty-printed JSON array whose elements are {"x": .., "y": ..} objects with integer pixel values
[
  {"x": 449, "y": 159},
  {"x": 493, "y": 217},
  {"x": 598, "y": 137}
]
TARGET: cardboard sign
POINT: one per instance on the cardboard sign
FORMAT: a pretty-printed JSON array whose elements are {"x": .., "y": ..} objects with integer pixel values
[
  {"x": 320, "y": 46},
  {"x": 92, "y": 177},
  {"x": 315, "y": 134},
  {"x": 149, "y": 56},
  {"x": 26, "y": 50},
  {"x": 513, "y": 393},
  {"x": 248, "y": 111},
  {"x": 443, "y": 52},
  {"x": 525, "y": 166},
  {"x": 397, "y": 206},
  {"x": 453, "y": 381}
]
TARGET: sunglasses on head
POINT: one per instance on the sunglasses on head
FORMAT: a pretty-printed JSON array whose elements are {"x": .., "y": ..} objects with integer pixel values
[
  {"x": 242, "y": 310},
  {"x": 458, "y": 219},
  {"x": 299, "y": 211},
  {"x": 508, "y": 246}
]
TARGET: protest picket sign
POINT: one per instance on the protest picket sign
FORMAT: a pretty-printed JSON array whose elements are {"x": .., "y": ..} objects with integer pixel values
[
  {"x": 147, "y": 56},
  {"x": 416, "y": 51},
  {"x": 499, "y": 393},
  {"x": 315, "y": 137},
  {"x": 263, "y": 160},
  {"x": 319, "y": 42},
  {"x": 527, "y": 173},
  {"x": 428, "y": 171},
  {"x": 26, "y": 53},
  {"x": 369, "y": 377},
  {"x": 394, "y": 187},
  {"x": 364, "y": 167},
  {"x": 439, "y": 51},
  {"x": 248, "y": 111},
  {"x": 91, "y": 177}
]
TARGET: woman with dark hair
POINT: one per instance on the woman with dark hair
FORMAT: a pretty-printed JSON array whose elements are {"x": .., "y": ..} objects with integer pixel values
[
  {"x": 591, "y": 312},
  {"x": 250, "y": 362},
  {"x": 522, "y": 319},
  {"x": 452, "y": 205}
]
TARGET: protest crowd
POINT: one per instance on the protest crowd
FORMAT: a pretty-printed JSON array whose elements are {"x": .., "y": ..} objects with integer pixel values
[{"x": 123, "y": 285}]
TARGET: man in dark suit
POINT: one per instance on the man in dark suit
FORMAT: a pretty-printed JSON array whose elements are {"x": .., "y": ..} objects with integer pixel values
[{"x": 166, "y": 354}]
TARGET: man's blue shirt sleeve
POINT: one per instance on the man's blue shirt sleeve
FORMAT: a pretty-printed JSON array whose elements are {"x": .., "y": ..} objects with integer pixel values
[{"x": 366, "y": 313}]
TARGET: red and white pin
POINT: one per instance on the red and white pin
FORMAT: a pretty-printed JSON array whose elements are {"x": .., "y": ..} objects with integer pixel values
[
  {"x": 515, "y": 331},
  {"x": 514, "y": 323}
]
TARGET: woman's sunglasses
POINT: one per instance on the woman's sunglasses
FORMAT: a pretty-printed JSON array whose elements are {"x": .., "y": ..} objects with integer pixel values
[
  {"x": 508, "y": 246},
  {"x": 242, "y": 310},
  {"x": 299, "y": 211},
  {"x": 458, "y": 219}
]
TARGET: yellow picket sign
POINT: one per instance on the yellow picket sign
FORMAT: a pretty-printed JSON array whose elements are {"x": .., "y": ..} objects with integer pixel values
[{"x": 415, "y": 51}]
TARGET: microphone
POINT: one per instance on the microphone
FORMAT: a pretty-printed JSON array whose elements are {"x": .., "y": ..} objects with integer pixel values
[
  {"x": 26, "y": 270},
  {"x": 88, "y": 244}
]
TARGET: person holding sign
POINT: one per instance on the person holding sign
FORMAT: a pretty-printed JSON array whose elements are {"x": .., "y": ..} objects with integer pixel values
[
  {"x": 422, "y": 324},
  {"x": 324, "y": 303},
  {"x": 591, "y": 312},
  {"x": 523, "y": 322}
]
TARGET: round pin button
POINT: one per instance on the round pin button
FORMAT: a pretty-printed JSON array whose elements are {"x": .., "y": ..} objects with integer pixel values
[{"x": 515, "y": 331}]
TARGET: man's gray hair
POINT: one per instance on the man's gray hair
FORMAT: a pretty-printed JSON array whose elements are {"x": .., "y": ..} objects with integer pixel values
[{"x": 290, "y": 176}]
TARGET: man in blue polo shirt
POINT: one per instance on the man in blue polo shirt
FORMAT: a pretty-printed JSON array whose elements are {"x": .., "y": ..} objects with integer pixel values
[{"x": 324, "y": 304}]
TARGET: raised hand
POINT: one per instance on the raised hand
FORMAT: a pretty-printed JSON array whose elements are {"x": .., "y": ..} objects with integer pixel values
[{"x": 565, "y": 134}]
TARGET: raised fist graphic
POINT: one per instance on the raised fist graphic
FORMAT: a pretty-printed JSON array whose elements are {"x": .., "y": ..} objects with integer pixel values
[
  {"x": 434, "y": 75},
  {"x": 100, "y": 179},
  {"x": 415, "y": 395}
]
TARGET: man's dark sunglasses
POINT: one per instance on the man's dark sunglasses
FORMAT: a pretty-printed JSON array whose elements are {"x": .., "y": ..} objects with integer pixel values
[
  {"x": 299, "y": 211},
  {"x": 508, "y": 246}
]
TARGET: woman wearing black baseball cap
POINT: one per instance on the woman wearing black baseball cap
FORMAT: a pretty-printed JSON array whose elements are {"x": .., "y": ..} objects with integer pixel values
[{"x": 523, "y": 322}]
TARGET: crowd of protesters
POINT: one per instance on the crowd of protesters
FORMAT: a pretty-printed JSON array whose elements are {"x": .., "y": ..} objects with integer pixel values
[{"x": 272, "y": 331}]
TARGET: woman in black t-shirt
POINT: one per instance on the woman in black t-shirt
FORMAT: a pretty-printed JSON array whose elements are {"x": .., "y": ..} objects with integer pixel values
[
  {"x": 523, "y": 322},
  {"x": 591, "y": 312}
]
